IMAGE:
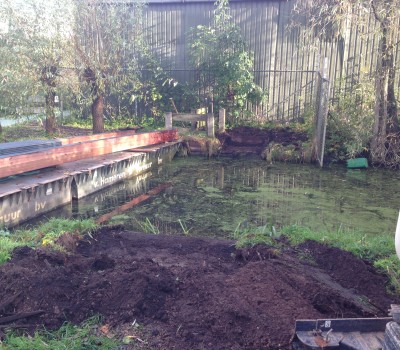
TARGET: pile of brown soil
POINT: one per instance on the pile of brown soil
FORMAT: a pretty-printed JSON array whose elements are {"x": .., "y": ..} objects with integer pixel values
[
  {"x": 190, "y": 293},
  {"x": 245, "y": 140}
]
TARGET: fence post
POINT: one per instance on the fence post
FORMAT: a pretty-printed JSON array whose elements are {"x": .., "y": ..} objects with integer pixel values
[
  {"x": 168, "y": 120},
  {"x": 321, "y": 113},
  {"x": 210, "y": 125},
  {"x": 221, "y": 120}
]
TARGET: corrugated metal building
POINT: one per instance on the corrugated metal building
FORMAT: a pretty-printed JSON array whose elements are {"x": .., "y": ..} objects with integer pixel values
[
  {"x": 283, "y": 64},
  {"x": 263, "y": 25}
]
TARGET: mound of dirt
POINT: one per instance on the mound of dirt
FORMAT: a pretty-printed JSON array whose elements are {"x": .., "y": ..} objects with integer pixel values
[
  {"x": 246, "y": 140},
  {"x": 189, "y": 293}
]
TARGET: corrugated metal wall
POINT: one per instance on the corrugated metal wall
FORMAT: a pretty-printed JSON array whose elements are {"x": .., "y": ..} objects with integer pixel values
[{"x": 283, "y": 64}]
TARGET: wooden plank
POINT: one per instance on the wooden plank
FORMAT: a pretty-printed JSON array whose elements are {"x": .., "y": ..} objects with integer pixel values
[
  {"x": 69, "y": 153},
  {"x": 9, "y": 319},
  {"x": 86, "y": 138},
  {"x": 187, "y": 117},
  {"x": 132, "y": 203}
]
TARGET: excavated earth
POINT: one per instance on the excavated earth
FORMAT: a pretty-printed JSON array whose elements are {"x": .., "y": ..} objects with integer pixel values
[
  {"x": 244, "y": 140},
  {"x": 185, "y": 292}
]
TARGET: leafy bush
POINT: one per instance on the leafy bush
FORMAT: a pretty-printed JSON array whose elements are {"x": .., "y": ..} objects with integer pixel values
[
  {"x": 350, "y": 122},
  {"x": 224, "y": 67}
]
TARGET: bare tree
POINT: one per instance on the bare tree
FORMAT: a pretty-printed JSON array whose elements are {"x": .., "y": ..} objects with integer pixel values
[
  {"x": 34, "y": 45},
  {"x": 386, "y": 111},
  {"x": 108, "y": 38},
  {"x": 324, "y": 20}
]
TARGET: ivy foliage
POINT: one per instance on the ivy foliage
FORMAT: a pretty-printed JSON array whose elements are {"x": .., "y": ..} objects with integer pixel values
[{"x": 224, "y": 66}]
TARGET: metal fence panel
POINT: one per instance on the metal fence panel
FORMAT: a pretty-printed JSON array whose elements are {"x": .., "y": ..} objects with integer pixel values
[{"x": 283, "y": 62}]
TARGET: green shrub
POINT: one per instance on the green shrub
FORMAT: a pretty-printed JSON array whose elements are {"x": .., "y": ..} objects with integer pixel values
[
  {"x": 224, "y": 66},
  {"x": 350, "y": 122}
]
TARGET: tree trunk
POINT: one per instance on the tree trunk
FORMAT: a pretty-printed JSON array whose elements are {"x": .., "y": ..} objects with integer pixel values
[
  {"x": 393, "y": 120},
  {"x": 97, "y": 114},
  {"x": 386, "y": 119},
  {"x": 51, "y": 126}
]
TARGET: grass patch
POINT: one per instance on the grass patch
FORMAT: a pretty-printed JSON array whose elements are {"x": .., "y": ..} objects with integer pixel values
[
  {"x": 109, "y": 124},
  {"x": 369, "y": 247},
  {"x": 68, "y": 337},
  {"x": 7, "y": 245},
  {"x": 23, "y": 131},
  {"x": 148, "y": 227},
  {"x": 378, "y": 249},
  {"x": 44, "y": 235},
  {"x": 249, "y": 236}
]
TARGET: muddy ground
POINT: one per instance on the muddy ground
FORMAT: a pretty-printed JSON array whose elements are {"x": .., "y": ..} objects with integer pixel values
[
  {"x": 188, "y": 293},
  {"x": 244, "y": 139}
]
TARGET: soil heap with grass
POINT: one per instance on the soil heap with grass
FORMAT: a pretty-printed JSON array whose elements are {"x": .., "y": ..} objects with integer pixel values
[{"x": 187, "y": 293}]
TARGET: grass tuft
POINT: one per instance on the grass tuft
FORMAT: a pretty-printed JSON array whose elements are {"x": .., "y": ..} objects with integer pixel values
[
  {"x": 148, "y": 227},
  {"x": 68, "y": 337},
  {"x": 45, "y": 234},
  {"x": 249, "y": 236},
  {"x": 369, "y": 247},
  {"x": 378, "y": 249}
]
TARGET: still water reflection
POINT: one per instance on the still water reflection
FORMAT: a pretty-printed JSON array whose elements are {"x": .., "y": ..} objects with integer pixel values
[{"x": 213, "y": 197}]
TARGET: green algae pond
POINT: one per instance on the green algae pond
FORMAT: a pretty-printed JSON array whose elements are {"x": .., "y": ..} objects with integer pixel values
[{"x": 216, "y": 197}]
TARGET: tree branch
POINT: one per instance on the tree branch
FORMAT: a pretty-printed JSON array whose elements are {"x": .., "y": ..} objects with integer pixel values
[{"x": 376, "y": 15}]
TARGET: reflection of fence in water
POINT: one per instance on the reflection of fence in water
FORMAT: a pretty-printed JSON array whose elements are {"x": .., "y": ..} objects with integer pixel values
[
  {"x": 284, "y": 193},
  {"x": 255, "y": 178},
  {"x": 276, "y": 198}
]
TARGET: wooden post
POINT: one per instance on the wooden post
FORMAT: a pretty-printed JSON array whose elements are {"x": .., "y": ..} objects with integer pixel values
[
  {"x": 210, "y": 125},
  {"x": 321, "y": 116},
  {"x": 61, "y": 106},
  {"x": 221, "y": 120},
  {"x": 168, "y": 120}
]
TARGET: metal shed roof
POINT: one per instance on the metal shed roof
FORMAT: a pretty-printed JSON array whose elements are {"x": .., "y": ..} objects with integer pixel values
[
  {"x": 212, "y": 1},
  {"x": 185, "y": 1}
]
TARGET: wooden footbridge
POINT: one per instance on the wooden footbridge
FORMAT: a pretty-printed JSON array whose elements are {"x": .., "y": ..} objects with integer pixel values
[{"x": 39, "y": 176}]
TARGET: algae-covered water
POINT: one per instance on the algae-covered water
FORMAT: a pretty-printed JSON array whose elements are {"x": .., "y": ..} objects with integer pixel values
[{"x": 214, "y": 197}]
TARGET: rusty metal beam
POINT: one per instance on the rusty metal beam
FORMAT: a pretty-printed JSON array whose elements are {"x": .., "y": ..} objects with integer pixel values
[
  {"x": 86, "y": 138},
  {"x": 69, "y": 153},
  {"x": 132, "y": 203}
]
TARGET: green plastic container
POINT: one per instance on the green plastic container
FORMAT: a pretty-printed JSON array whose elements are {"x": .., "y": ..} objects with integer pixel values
[{"x": 357, "y": 163}]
